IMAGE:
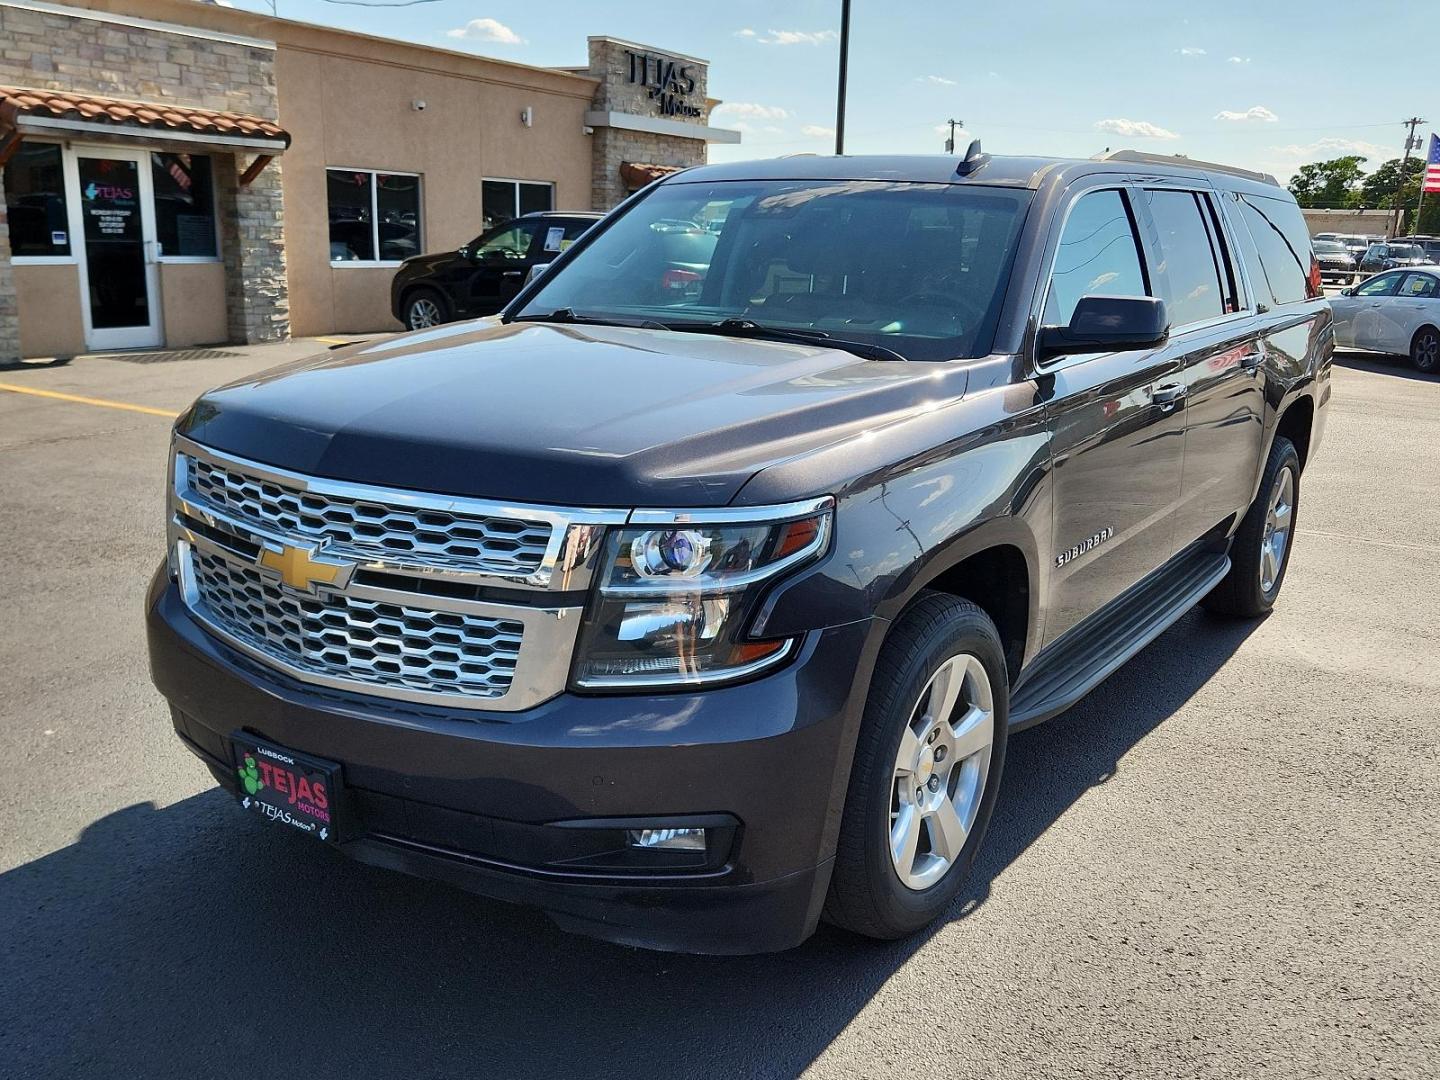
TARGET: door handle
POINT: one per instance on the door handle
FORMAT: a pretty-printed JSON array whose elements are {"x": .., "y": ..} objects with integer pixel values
[
  {"x": 1169, "y": 395},
  {"x": 511, "y": 273},
  {"x": 1251, "y": 361}
]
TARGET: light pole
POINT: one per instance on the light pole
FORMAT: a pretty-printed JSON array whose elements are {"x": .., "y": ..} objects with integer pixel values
[
  {"x": 1411, "y": 143},
  {"x": 844, "y": 65}
]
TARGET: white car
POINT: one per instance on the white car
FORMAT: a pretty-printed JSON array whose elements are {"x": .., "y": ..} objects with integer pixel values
[{"x": 1394, "y": 312}]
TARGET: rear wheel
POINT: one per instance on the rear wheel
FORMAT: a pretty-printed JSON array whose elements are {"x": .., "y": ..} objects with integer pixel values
[
  {"x": 926, "y": 772},
  {"x": 1260, "y": 552},
  {"x": 425, "y": 308},
  {"x": 1425, "y": 350}
]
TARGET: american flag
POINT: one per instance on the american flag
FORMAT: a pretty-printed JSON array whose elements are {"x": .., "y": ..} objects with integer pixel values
[{"x": 1432, "y": 166}]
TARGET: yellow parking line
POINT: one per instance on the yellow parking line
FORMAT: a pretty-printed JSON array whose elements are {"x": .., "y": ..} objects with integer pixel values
[
  {"x": 334, "y": 340},
  {"x": 79, "y": 400}
]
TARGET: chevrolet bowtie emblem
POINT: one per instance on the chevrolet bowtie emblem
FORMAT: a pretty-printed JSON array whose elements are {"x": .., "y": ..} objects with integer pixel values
[{"x": 300, "y": 569}]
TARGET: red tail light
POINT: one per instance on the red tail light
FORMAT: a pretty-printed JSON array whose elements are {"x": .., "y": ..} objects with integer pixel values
[
  {"x": 681, "y": 279},
  {"x": 1316, "y": 285}
]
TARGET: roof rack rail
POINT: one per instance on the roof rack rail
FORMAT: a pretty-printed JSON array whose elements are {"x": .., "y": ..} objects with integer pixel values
[{"x": 1142, "y": 158}]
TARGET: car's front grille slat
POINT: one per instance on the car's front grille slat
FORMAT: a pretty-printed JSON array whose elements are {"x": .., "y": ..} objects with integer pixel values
[
  {"x": 343, "y": 637},
  {"x": 370, "y": 530}
]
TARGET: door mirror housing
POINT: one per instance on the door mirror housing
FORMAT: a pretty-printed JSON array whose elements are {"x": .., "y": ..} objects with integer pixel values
[
  {"x": 1108, "y": 324},
  {"x": 1347, "y": 292}
]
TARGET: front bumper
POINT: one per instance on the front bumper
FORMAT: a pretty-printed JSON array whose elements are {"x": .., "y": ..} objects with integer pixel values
[{"x": 501, "y": 803}]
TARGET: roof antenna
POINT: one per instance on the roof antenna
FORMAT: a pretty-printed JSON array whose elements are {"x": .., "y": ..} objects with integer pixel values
[{"x": 974, "y": 158}]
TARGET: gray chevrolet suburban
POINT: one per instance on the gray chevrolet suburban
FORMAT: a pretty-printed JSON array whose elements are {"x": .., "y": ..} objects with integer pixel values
[{"x": 694, "y": 597}]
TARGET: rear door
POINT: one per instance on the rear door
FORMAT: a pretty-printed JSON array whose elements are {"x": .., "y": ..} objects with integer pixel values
[
  {"x": 1117, "y": 448},
  {"x": 1215, "y": 340},
  {"x": 1416, "y": 304}
]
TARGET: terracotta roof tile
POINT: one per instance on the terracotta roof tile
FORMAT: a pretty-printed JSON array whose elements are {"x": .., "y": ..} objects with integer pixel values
[
  {"x": 636, "y": 174},
  {"x": 16, "y": 102}
]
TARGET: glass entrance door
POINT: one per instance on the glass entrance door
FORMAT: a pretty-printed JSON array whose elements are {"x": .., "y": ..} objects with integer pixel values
[{"x": 118, "y": 270}]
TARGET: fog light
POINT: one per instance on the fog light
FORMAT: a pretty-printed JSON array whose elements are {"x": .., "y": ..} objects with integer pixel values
[{"x": 666, "y": 839}]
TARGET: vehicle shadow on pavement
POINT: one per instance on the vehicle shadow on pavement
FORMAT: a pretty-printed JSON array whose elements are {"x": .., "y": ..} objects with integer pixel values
[
  {"x": 1381, "y": 364},
  {"x": 192, "y": 941}
]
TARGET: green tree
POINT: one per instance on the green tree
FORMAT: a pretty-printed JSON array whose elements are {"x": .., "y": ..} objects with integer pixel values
[
  {"x": 1379, "y": 187},
  {"x": 1333, "y": 184}
]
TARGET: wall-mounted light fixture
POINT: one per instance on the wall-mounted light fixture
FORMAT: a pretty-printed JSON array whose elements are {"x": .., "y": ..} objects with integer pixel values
[{"x": 527, "y": 116}]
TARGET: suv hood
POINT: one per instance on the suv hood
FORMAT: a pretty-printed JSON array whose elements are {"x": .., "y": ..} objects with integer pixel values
[{"x": 563, "y": 414}]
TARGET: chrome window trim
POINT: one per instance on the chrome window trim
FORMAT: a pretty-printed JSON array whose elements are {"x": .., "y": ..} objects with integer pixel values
[
  {"x": 732, "y": 515},
  {"x": 542, "y": 667},
  {"x": 575, "y": 533}
]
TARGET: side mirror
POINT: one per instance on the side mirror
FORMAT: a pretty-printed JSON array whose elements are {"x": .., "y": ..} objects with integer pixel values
[
  {"x": 1347, "y": 292},
  {"x": 464, "y": 252},
  {"x": 536, "y": 271},
  {"x": 1108, "y": 324}
]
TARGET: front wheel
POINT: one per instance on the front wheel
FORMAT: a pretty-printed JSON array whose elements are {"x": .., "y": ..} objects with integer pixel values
[
  {"x": 926, "y": 773},
  {"x": 423, "y": 309},
  {"x": 1260, "y": 552},
  {"x": 1425, "y": 350}
]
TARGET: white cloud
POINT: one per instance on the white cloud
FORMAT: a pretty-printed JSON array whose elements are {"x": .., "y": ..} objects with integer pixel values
[
  {"x": 816, "y": 131},
  {"x": 791, "y": 37},
  {"x": 936, "y": 80},
  {"x": 1332, "y": 147},
  {"x": 1134, "y": 129},
  {"x": 750, "y": 111},
  {"x": 1237, "y": 60},
  {"x": 747, "y": 32},
  {"x": 1190, "y": 50},
  {"x": 1255, "y": 112},
  {"x": 491, "y": 30}
]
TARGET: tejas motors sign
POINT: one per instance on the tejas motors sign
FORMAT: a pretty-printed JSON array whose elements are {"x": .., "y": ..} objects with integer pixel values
[{"x": 667, "y": 82}]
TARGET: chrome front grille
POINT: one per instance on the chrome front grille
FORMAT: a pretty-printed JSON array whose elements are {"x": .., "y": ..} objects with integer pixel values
[
  {"x": 419, "y": 535},
  {"x": 379, "y": 590},
  {"x": 357, "y": 640}
]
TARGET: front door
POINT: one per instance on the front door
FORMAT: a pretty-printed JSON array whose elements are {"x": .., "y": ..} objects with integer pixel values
[
  {"x": 502, "y": 261},
  {"x": 1117, "y": 426},
  {"x": 118, "y": 271}
]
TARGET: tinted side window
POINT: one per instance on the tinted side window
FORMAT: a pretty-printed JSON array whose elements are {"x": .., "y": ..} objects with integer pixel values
[
  {"x": 1186, "y": 276},
  {"x": 1284, "y": 253},
  {"x": 1383, "y": 285},
  {"x": 1417, "y": 286},
  {"x": 1098, "y": 256}
]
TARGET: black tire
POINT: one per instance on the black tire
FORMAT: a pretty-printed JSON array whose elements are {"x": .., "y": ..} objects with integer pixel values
[
  {"x": 866, "y": 894},
  {"x": 1425, "y": 350},
  {"x": 1242, "y": 592},
  {"x": 416, "y": 302}
]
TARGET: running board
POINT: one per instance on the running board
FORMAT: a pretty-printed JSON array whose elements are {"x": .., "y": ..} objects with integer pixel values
[{"x": 1086, "y": 655}]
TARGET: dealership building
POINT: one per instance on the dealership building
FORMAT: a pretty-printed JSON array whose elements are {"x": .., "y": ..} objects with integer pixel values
[{"x": 181, "y": 174}]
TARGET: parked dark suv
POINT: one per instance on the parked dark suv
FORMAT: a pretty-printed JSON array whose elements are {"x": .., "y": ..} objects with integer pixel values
[
  {"x": 484, "y": 275},
  {"x": 695, "y": 608}
]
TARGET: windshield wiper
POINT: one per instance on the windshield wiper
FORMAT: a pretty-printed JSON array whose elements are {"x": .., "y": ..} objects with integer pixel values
[
  {"x": 568, "y": 315},
  {"x": 751, "y": 329}
]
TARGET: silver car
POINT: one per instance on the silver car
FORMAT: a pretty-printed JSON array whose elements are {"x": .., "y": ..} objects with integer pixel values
[{"x": 1394, "y": 312}]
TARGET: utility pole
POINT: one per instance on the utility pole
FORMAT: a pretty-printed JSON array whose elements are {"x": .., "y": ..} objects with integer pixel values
[
  {"x": 950, "y": 142},
  {"x": 844, "y": 65},
  {"x": 1411, "y": 143}
]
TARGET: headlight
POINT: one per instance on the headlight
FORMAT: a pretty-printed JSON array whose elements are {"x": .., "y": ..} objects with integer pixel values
[{"x": 676, "y": 592}]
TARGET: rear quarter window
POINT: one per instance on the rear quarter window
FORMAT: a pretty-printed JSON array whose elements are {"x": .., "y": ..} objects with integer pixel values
[{"x": 1283, "y": 242}]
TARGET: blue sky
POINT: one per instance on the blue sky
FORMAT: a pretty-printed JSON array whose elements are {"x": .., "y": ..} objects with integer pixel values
[{"x": 1268, "y": 84}]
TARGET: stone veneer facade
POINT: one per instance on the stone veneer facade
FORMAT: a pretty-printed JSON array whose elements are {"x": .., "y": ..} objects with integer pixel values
[
  {"x": 52, "y": 51},
  {"x": 9, "y": 308},
  {"x": 610, "y": 62}
]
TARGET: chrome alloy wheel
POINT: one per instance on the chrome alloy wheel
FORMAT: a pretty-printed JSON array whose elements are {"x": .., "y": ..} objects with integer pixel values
[
  {"x": 1276, "y": 537},
  {"x": 424, "y": 313},
  {"x": 940, "y": 771}
]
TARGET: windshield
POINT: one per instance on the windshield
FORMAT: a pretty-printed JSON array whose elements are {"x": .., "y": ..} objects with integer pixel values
[
  {"x": 919, "y": 269},
  {"x": 1329, "y": 247},
  {"x": 1405, "y": 251}
]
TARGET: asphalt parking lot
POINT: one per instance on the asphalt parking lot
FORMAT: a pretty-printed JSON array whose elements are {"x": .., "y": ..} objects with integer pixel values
[{"x": 1223, "y": 863}]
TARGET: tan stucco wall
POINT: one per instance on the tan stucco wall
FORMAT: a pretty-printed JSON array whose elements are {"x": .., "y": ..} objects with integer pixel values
[
  {"x": 51, "y": 322},
  {"x": 470, "y": 129},
  {"x": 192, "y": 302}
]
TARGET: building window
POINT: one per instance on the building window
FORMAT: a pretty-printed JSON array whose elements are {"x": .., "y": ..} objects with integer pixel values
[
  {"x": 184, "y": 206},
  {"x": 374, "y": 216},
  {"x": 502, "y": 200},
  {"x": 39, "y": 214}
]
